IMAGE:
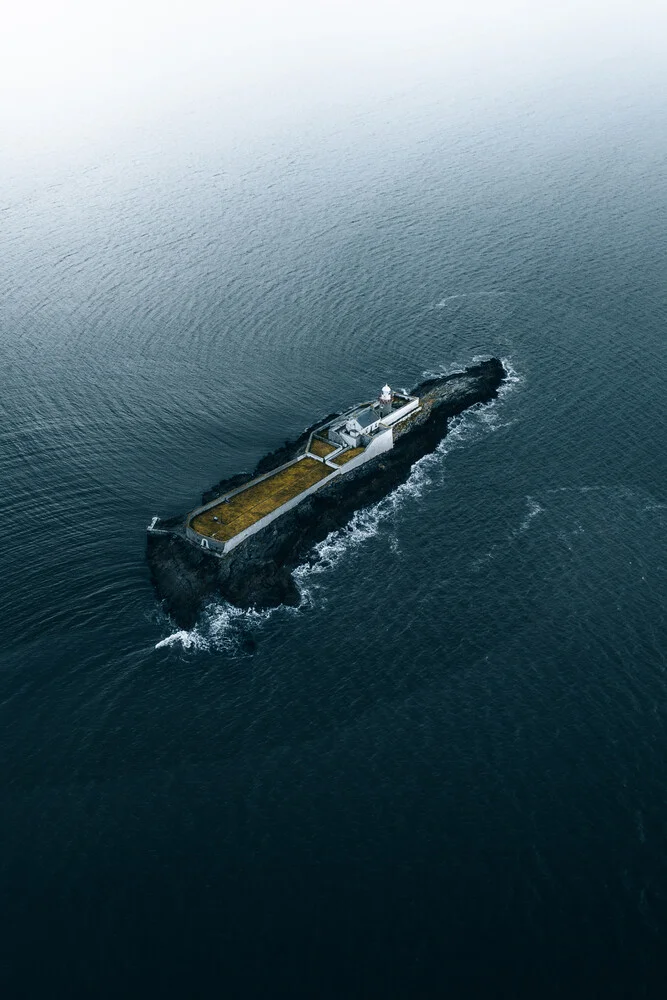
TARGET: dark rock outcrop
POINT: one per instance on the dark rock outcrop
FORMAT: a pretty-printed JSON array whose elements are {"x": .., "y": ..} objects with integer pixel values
[{"x": 258, "y": 572}]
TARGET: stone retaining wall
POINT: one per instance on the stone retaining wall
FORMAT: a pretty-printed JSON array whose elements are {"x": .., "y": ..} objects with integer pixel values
[{"x": 379, "y": 444}]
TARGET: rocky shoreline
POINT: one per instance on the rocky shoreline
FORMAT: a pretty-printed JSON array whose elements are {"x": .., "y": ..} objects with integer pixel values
[{"x": 258, "y": 573}]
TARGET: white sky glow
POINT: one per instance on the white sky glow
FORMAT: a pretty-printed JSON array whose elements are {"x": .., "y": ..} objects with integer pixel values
[{"x": 67, "y": 64}]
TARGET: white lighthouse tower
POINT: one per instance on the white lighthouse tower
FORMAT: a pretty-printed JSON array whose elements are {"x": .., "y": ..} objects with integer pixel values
[{"x": 385, "y": 400}]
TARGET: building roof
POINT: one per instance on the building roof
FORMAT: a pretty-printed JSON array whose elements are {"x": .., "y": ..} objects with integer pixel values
[{"x": 366, "y": 417}]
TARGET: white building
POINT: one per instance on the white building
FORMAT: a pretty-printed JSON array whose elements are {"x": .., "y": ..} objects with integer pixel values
[{"x": 356, "y": 427}]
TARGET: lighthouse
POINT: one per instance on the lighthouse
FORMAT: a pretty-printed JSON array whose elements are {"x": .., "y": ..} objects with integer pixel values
[{"x": 385, "y": 400}]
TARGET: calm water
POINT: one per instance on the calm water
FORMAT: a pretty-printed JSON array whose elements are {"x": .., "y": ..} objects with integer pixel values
[{"x": 444, "y": 774}]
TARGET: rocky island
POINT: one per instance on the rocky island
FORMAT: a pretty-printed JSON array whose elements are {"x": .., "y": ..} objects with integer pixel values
[{"x": 253, "y": 529}]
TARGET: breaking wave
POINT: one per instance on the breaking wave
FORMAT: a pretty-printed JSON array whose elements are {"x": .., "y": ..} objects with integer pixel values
[
  {"x": 221, "y": 627},
  {"x": 186, "y": 639}
]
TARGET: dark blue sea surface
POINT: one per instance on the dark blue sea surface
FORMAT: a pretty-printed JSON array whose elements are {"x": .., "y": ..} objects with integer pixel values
[{"x": 444, "y": 773}]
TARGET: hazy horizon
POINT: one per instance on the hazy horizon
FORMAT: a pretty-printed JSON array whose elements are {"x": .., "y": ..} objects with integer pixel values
[{"x": 74, "y": 74}]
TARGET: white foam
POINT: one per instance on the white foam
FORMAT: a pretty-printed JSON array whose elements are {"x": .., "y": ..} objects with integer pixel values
[
  {"x": 512, "y": 376},
  {"x": 442, "y": 303},
  {"x": 534, "y": 510},
  {"x": 187, "y": 640},
  {"x": 448, "y": 298},
  {"x": 223, "y": 626}
]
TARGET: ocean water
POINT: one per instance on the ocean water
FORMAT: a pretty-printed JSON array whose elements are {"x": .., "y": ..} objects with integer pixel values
[{"x": 444, "y": 773}]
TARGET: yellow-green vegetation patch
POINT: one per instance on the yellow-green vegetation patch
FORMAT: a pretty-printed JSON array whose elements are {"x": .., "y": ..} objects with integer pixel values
[
  {"x": 347, "y": 456},
  {"x": 259, "y": 499},
  {"x": 321, "y": 448}
]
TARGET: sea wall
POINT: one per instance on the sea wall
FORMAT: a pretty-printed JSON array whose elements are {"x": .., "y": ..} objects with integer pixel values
[
  {"x": 278, "y": 512},
  {"x": 379, "y": 444}
]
